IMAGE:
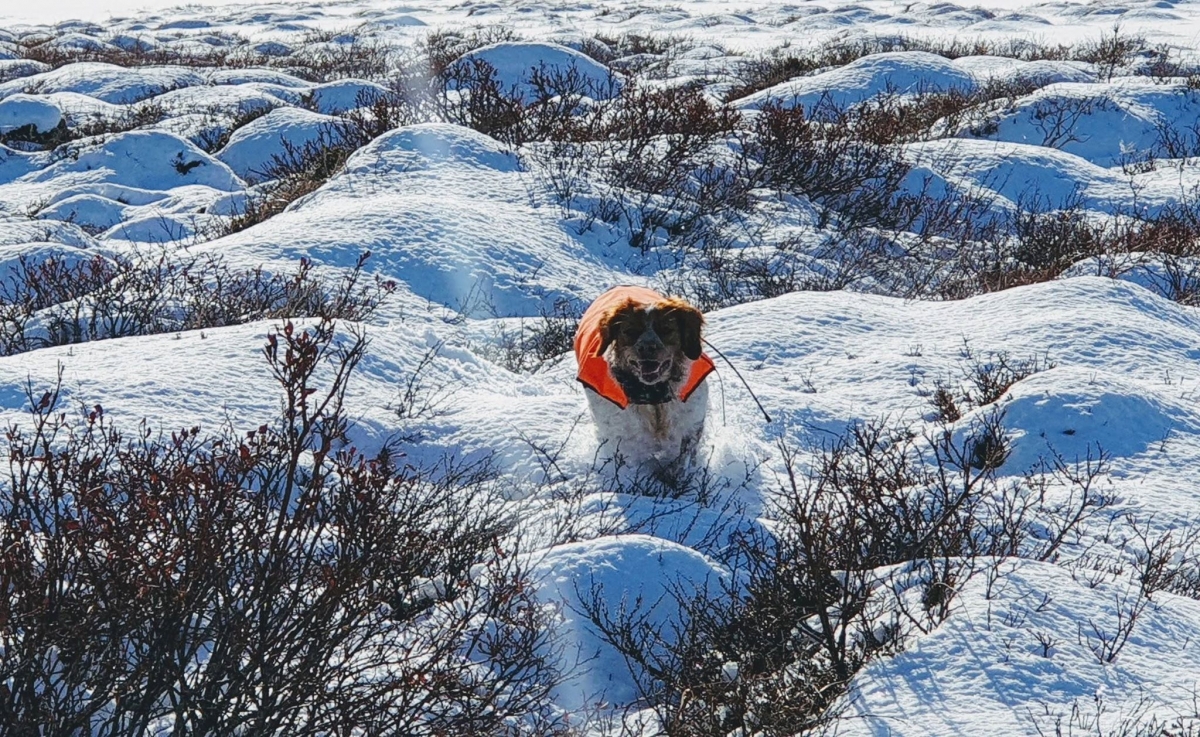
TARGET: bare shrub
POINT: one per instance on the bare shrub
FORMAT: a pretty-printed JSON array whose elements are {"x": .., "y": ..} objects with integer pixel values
[
  {"x": 535, "y": 343},
  {"x": 300, "y": 170},
  {"x": 477, "y": 99},
  {"x": 928, "y": 114},
  {"x": 660, "y": 156},
  {"x": 648, "y": 55},
  {"x": 823, "y": 155},
  {"x": 988, "y": 379},
  {"x": 1167, "y": 561},
  {"x": 272, "y": 581},
  {"x": 329, "y": 55},
  {"x": 1054, "y": 239},
  {"x": 720, "y": 275},
  {"x": 1112, "y": 51},
  {"x": 1057, "y": 118},
  {"x": 1046, "y": 241},
  {"x": 54, "y": 301},
  {"x": 133, "y": 117},
  {"x": 557, "y": 105},
  {"x": 991, "y": 377},
  {"x": 769, "y": 70},
  {"x": 1094, "y": 718}
]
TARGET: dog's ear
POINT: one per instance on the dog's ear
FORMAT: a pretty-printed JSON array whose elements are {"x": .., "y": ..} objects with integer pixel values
[
  {"x": 690, "y": 321},
  {"x": 610, "y": 325}
]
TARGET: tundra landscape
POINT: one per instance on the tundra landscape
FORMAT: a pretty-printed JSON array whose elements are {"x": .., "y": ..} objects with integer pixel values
[{"x": 294, "y": 443}]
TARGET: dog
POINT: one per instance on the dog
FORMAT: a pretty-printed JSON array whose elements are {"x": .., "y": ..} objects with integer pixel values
[{"x": 643, "y": 368}]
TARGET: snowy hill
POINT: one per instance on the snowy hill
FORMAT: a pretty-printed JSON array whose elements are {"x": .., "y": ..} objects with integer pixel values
[{"x": 954, "y": 252}]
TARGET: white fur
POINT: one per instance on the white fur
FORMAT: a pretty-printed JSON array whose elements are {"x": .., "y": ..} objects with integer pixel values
[{"x": 668, "y": 434}]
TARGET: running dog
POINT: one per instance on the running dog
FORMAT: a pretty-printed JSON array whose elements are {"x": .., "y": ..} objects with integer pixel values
[{"x": 641, "y": 361}]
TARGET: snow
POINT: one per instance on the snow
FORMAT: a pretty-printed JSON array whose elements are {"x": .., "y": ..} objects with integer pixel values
[
  {"x": 413, "y": 191},
  {"x": 515, "y": 62},
  {"x": 988, "y": 655},
  {"x": 899, "y": 72},
  {"x": 141, "y": 159},
  {"x": 475, "y": 242},
  {"x": 1016, "y": 172},
  {"x": 337, "y": 97},
  {"x": 1120, "y": 119},
  {"x": 20, "y": 111},
  {"x": 1044, "y": 72},
  {"x": 105, "y": 82},
  {"x": 648, "y": 571},
  {"x": 255, "y": 146}
]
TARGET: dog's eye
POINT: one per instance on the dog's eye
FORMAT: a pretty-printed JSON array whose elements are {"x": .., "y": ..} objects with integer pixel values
[{"x": 665, "y": 326}]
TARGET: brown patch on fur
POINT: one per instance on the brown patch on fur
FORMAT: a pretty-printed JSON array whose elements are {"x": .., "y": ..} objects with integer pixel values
[
  {"x": 613, "y": 319},
  {"x": 675, "y": 324},
  {"x": 690, "y": 322}
]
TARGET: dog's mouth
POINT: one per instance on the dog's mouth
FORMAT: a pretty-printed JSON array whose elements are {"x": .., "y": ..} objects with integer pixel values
[{"x": 651, "y": 371}]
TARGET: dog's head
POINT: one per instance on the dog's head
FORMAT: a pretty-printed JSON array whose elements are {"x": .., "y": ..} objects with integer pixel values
[{"x": 651, "y": 343}]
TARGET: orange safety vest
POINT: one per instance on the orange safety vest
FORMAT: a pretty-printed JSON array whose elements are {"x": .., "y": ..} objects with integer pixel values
[{"x": 593, "y": 369}]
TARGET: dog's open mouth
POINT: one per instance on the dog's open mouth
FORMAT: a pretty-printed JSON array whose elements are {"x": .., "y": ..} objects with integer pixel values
[{"x": 652, "y": 372}]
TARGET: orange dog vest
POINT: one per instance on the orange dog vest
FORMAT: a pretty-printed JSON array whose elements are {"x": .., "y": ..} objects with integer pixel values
[{"x": 593, "y": 369}]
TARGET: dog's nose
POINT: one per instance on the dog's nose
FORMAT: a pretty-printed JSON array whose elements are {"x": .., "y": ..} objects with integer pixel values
[{"x": 649, "y": 347}]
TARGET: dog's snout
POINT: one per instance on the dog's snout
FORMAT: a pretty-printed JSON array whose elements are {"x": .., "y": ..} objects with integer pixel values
[{"x": 649, "y": 345}]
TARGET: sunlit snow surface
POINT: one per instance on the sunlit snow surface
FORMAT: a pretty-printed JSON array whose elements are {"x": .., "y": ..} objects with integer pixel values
[{"x": 474, "y": 240}]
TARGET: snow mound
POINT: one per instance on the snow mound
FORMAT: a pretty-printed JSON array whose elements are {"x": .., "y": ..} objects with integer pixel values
[
  {"x": 133, "y": 43},
  {"x": 445, "y": 210},
  {"x": 1106, "y": 124},
  {"x": 75, "y": 42},
  {"x": 107, "y": 82},
  {"x": 649, "y": 573},
  {"x": 11, "y": 69},
  {"x": 253, "y": 148},
  {"x": 272, "y": 48},
  {"x": 334, "y": 98},
  {"x": 87, "y": 210},
  {"x": 431, "y": 146},
  {"x": 36, "y": 252},
  {"x": 516, "y": 61},
  {"x": 1042, "y": 176},
  {"x": 255, "y": 75},
  {"x": 217, "y": 100},
  {"x": 988, "y": 661},
  {"x": 14, "y": 232},
  {"x": 1041, "y": 72},
  {"x": 144, "y": 160},
  {"x": 1076, "y": 412},
  {"x": 20, "y": 111},
  {"x": 899, "y": 72}
]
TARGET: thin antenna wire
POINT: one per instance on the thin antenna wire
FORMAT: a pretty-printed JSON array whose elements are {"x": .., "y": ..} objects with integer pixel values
[
  {"x": 739, "y": 375},
  {"x": 721, "y": 381}
]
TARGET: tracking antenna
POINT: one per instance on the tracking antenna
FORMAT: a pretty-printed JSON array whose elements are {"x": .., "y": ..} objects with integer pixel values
[{"x": 739, "y": 375}]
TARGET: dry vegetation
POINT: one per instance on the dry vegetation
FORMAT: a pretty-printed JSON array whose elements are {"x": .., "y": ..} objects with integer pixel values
[{"x": 261, "y": 584}]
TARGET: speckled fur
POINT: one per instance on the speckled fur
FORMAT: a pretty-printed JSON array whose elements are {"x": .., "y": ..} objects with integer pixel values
[{"x": 667, "y": 433}]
